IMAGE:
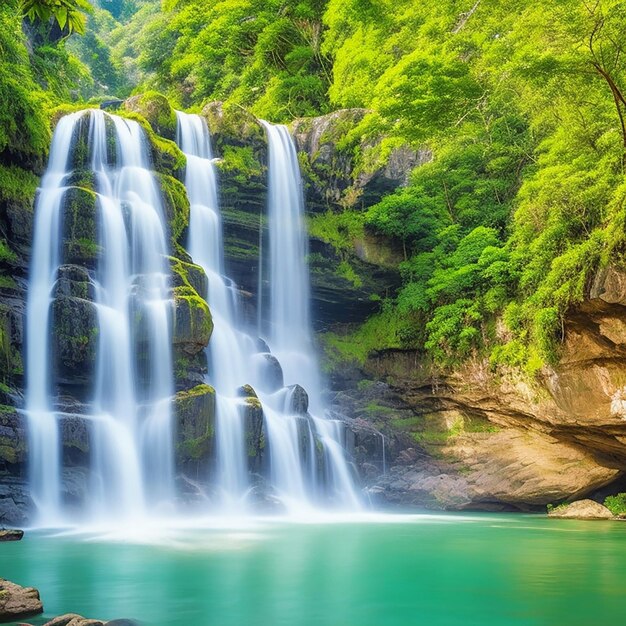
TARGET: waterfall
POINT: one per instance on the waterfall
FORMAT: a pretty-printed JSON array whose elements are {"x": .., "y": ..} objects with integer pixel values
[
  {"x": 234, "y": 359},
  {"x": 130, "y": 424},
  {"x": 289, "y": 327},
  {"x": 127, "y": 405},
  {"x": 227, "y": 352},
  {"x": 44, "y": 458}
]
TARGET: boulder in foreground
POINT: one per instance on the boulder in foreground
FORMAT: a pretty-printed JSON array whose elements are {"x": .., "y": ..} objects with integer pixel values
[{"x": 17, "y": 602}]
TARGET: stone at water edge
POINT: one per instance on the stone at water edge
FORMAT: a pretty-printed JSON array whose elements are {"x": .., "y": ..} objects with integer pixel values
[
  {"x": 18, "y": 602},
  {"x": 11, "y": 534},
  {"x": 73, "y": 619},
  {"x": 582, "y": 509}
]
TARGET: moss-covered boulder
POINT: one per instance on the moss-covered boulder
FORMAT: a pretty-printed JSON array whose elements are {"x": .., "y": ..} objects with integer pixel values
[
  {"x": 231, "y": 124},
  {"x": 194, "y": 412},
  {"x": 80, "y": 227},
  {"x": 176, "y": 204},
  {"x": 75, "y": 338},
  {"x": 156, "y": 109},
  {"x": 254, "y": 428},
  {"x": 193, "y": 323},
  {"x": 186, "y": 274}
]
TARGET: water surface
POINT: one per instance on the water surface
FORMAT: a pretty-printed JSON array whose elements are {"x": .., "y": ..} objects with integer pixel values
[{"x": 483, "y": 570}]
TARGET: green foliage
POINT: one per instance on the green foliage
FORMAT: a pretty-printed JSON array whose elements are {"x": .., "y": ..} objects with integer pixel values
[
  {"x": 68, "y": 14},
  {"x": 341, "y": 230},
  {"x": 23, "y": 125},
  {"x": 379, "y": 332},
  {"x": 519, "y": 110},
  {"x": 616, "y": 504},
  {"x": 17, "y": 184},
  {"x": 266, "y": 55}
]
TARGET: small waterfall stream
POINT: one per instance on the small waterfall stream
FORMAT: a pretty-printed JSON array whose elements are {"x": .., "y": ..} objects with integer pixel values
[{"x": 289, "y": 332}]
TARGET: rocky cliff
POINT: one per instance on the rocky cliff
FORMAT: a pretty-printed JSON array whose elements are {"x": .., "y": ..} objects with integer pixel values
[{"x": 479, "y": 438}]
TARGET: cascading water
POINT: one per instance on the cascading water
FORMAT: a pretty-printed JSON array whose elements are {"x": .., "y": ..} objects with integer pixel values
[
  {"x": 45, "y": 474},
  {"x": 228, "y": 347},
  {"x": 131, "y": 427},
  {"x": 289, "y": 327},
  {"x": 128, "y": 410},
  {"x": 234, "y": 359}
]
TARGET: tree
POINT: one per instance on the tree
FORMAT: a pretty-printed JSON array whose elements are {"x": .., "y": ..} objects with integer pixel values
[{"x": 68, "y": 14}]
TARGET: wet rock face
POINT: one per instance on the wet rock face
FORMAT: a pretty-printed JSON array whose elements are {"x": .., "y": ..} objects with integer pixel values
[
  {"x": 298, "y": 400},
  {"x": 337, "y": 300},
  {"x": 15, "y": 501},
  {"x": 328, "y": 165},
  {"x": 194, "y": 414},
  {"x": 75, "y": 336}
]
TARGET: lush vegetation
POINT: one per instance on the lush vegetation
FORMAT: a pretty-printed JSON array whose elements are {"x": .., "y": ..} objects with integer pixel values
[
  {"x": 616, "y": 504},
  {"x": 522, "y": 106}
]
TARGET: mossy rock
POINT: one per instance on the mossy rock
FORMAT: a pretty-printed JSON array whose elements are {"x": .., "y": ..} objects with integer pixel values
[
  {"x": 80, "y": 226},
  {"x": 247, "y": 391},
  {"x": 193, "y": 323},
  {"x": 254, "y": 427},
  {"x": 166, "y": 156},
  {"x": 156, "y": 109},
  {"x": 11, "y": 364},
  {"x": 188, "y": 275},
  {"x": 194, "y": 411},
  {"x": 189, "y": 369},
  {"x": 231, "y": 124},
  {"x": 74, "y": 281},
  {"x": 18, "y": 188},
  {"x": 176, "y": 205},
  {"x": 75, "y": 337},
  {"x": 13, "y": 436}
]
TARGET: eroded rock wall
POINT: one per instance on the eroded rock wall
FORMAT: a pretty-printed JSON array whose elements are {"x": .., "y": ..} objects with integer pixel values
[{"x": 477, "y": 438}]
